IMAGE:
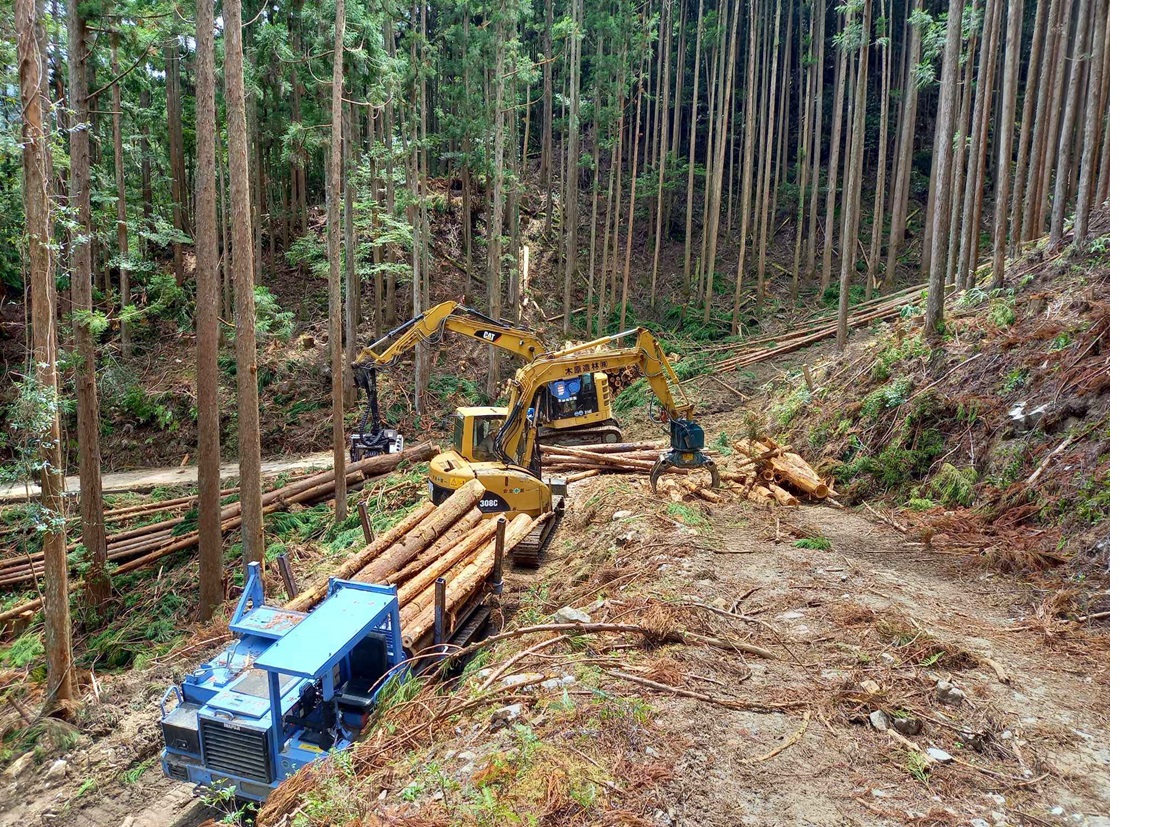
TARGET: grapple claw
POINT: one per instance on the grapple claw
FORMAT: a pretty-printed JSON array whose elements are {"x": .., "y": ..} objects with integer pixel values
[{"x": 660, "y": 466}]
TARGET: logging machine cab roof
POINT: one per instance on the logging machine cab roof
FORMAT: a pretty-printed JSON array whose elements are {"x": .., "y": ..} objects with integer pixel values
[{"x": 474, "y": 432}]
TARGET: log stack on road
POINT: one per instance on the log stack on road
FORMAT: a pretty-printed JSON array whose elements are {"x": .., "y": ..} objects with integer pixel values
[
  {"x": 608, "y": 458},
  {"x": 140, "y": 547},
  {"x": 770, "y": 473},
  {"x": 760, "y": 470}
]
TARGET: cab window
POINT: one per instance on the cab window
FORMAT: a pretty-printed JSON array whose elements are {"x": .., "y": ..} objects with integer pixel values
[
  {"x": 458, "y": 433},
  {"x": 484, "y": 439}
]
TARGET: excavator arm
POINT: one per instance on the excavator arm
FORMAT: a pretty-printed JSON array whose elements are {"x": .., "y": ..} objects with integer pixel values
[
  {"x": 516, "y": 440},
  {"x": 428, "y": 327}
]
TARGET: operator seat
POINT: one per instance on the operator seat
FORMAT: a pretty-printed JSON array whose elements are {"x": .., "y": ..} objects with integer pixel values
[{"x": 369, "y": 661}]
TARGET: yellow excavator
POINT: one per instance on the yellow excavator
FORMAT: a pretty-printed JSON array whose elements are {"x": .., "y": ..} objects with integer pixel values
[
  {"x": 575, "y": 411},
  {"x": 500, "y": 446}
]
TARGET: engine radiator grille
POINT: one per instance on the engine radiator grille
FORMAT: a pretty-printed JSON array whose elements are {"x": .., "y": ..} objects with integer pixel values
[{"x": 237, "y": 751}]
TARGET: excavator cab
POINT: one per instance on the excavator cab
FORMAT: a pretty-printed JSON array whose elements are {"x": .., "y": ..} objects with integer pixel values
[
  {"x": 577, "y": 411},
  {"x": 474, "y": 432}
]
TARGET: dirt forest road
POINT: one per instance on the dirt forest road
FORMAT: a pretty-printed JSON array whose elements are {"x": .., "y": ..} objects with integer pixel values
[
  {"x": 146, "y": 479},
  {"x": 872, "y": 623}
]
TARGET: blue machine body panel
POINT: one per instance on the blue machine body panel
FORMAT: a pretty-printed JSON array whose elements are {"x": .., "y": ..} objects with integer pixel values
[
  {"x": 314, "y": 647},
  {"x": 290, "y": 689}
]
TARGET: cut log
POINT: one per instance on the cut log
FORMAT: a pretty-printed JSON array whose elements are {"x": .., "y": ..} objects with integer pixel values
[
  {"x": 419, "y": 615},
  {"x": 466, "y": 547},
  {"x": 792, "y": 469},
  {"x": 455, "y": 534},
  {"x": 463, "y": 500},
  {"x": 311, "y": 596},
  {"x": 783, "y": 497}
]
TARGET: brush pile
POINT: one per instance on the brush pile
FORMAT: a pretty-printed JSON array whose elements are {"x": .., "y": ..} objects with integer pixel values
[{"x": 145, "y": 545}]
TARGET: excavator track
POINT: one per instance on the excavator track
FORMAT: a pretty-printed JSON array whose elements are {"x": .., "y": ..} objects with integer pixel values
[
  {"x": 529, "y": 552},
  {"x": 604, "y": 432}
]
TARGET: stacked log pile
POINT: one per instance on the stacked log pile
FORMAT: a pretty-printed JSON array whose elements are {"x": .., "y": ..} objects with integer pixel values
[
  {"x": 761, "y": 348},
  {"x": 609, "y": 458},
  {"x": 143, "y": 546},
  {"x": 761, "y": 470},
  {"x": 452, "y": 541},
  {"x": 770, "y": 473}
]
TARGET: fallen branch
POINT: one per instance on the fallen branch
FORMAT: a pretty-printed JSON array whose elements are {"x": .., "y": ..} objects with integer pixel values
[
  {"x": 744, "y": 706},
  {"x": 792, "y": 740}
]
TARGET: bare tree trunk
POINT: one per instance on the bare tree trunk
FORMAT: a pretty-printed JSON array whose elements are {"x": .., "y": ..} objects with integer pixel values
[
  {"x": 1032, "y": 188},
  {"x": 768, "y": 65},
  {"x": 1091, "y": 125},
  {"x": 335, "y": 191},
  {"x": 882, "y": 160},
  {"x": 781, "y": 175},
  {"x": 688, "y": 216},
  {"x": 145, "y": 170},
  {"x": 816, "y": 152},
  {"x": 175, "y": 153},
  {"x": 663, "y": 110},
  {"x": 248, "y": 391},
  {"x": 1068, "y": 128},
  {"x": 903, "y": 169},
  {"x": 97, "y": 586},
  {"x": 571, "y": 182},
  {"x": 1042, "y": 176},
  {"x": 746, "y": 163},
  {"x": 1027, "y": 126},
  {"x": 60, "y": 689},
  {"x": 211, "y": 546},
  {"x": 959, "y": 157},
  {"x": 496, "y": 230},
  {"x": 546, "y": 127},
  {"x": 1103, "y": 175},
  {"x": 121, "y": 195},
  {"x": 351, "y": 278},
  {"x": 1007, "y": 125},
  {"x": 631, "y": 210},
  {"x": 390, "y": 188},
  {"x": 718, "y": 162},
  {"x": 942, "y": 152},
  {"x": 227, "y": 306},
  {"x": 833, "y": 168},
  {"x": 805, "y": 152},
  {"x": 978, "y": 148},
  {"x": 850, "y": 229}
]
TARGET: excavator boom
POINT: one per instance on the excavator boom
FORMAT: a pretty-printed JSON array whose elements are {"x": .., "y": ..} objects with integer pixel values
[{"x": 575, "y": 420}]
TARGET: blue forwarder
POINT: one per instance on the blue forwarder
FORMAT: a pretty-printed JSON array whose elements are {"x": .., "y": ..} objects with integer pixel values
[{"x": 290, "y": 689}]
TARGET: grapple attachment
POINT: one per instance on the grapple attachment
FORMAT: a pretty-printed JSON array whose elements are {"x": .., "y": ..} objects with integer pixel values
[
  {"x": 687, "y": 452},
  {"x": 373, "y": 438}
]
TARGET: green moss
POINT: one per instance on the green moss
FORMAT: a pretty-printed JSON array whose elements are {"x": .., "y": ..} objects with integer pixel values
[
  {"x": 1002, "y": 313},
  {"x": 814, "y": 543},
  {"x": 891, "y": 395},
  {"x": 1014, "y": 381},
  {"x": 953, "y": 486},
  {"x": 784, "y": 412},
  {"x": 687, "y": 514},
  {"x": 895, "y": 352},
  {"x": 25, "y": 650}
]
